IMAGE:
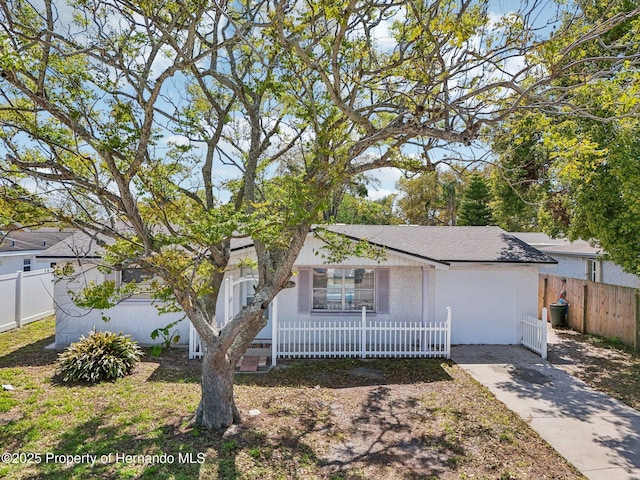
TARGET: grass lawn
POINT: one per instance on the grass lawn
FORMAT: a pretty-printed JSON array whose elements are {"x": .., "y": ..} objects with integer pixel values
[{"x": 333, "y": 419}]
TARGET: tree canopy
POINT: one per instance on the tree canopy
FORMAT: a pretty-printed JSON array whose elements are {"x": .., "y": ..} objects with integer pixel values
[
  {"x": 173, "y": 127},
  {"x": 573, "y": 174}
]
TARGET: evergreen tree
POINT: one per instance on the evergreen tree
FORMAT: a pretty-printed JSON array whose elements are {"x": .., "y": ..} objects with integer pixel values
[{"x": 475, "y": 209}]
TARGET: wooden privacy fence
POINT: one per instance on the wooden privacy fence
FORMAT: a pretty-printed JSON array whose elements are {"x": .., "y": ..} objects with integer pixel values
[
  {"x": 596, "y": 308},
  {"x": 25, "y": 297}
]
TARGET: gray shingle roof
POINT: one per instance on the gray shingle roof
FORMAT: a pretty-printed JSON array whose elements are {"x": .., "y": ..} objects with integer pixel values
[
  {"x": 82, "y": 245},
  {"x": 448, "y": 244},
  {"x": 561, "y": 246},
  {"x": 438, "y": 244},
  {"x": 33, "y": 240}
]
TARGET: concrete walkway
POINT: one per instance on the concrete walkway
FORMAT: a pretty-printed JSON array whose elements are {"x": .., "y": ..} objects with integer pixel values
[{"x": 596, "y": 433}]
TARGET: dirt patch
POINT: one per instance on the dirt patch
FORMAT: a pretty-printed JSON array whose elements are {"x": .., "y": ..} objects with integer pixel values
[
  {"x": 360, "y": 423},
  {"x": 607, "y": 367}
]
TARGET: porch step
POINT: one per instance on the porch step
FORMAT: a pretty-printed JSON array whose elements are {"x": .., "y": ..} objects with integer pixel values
[
  {"x": 253, "y": 363},
  {"x": 258, "y": 352}
]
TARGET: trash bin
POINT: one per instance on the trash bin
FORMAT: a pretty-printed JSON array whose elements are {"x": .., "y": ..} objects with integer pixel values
[{"x": 558, "y": 314}]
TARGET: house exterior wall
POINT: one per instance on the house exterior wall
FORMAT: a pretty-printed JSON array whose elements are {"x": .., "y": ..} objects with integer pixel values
[
  {"x": 11, "y": 262},
  {"x": 486, "y": 302},
  {"x": 574, "y": 266},
  {"x": 134, "y": 317}
]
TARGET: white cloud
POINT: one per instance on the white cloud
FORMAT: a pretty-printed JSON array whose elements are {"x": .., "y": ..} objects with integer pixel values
[{"x": 387, "y": 178}]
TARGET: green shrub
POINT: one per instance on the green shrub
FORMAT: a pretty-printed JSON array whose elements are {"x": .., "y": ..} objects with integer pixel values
[{"x": 100, "y": 356}]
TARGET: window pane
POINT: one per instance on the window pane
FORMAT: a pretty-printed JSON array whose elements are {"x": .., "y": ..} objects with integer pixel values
[
  {"x": 135, "y": 275},
  {"x": 320, "y": 288},
  {"x": 327, "y": 288},
  {"x": 363, "y": 289},
  {"x": 343, "y": 289}
]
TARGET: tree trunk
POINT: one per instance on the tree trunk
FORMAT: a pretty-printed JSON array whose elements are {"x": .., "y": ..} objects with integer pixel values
[{"x": 217, "y": 409}]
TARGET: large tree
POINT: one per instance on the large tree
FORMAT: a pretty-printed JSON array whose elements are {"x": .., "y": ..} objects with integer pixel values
[
  {"x": 577, "y": 175},
  {"x": 125, "y": 115}
]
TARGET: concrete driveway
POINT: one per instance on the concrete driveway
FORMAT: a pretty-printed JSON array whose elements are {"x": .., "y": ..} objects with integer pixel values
[{"x": 596, "y": 433}]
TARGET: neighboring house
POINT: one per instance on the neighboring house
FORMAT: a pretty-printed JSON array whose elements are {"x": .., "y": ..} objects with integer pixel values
[
  {"x": 488, "y": 277},
  {"x": 579, "y": 260},
  {"x": 19, "y": 248}
]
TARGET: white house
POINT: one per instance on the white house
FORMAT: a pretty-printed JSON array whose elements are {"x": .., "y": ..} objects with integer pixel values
[
  {"x": 488, "y": 277},
  {"x": 19, "y": 248},
  {"x": 578, "y": 259}
]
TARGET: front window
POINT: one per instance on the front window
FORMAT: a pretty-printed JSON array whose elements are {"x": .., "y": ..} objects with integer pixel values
[
  {"x": 141, "y": 277},
  {"x": 343, "y": 289}
]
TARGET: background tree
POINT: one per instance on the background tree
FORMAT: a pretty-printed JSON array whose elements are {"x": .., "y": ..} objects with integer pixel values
[
  {"x": 475, "y": 206},
  {"x": 131, "y": 117},
  {"x": 363, "y": 211},
  {"x": 430, "y": 198},
  {"x": 573, "y": 174}
]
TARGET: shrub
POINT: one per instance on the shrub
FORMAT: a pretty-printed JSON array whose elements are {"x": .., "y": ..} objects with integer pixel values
[{"x": 100, "y": 356}]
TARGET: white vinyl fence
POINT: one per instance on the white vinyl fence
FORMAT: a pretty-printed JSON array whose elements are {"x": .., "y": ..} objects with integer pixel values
[
  {"x": 360, "y": 338},
  {"x": 25, "y": 297},
  {"x": 533, "y": 333}
]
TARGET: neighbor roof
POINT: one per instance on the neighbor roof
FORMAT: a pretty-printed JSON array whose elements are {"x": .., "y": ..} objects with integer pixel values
[
  {"x": 560, "y": 246},
  {"x": 448, "y": 244},
  {"x": 82, "y": 245},
  {"x": 33, "y": 240}
]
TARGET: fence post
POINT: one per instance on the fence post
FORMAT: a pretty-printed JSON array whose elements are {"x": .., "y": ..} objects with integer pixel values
[
  {"x": 544, "y": 292},
  {"x": 363, "y": 326},
  {"x": 274, "y": 332},
  {"x": 448, "y": 345},
  {"x": 543, "y": 338},
  {"x": 227, "y": 299},
  {"x": 19, "y": 299},
  {"x": 585, "y": 305},
  {"x": 636, "y": 343}
]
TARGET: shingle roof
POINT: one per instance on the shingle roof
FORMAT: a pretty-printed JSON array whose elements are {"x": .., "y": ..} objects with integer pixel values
[
  {"x": 438, "y": 244},
  {"x": 33, "y": 240},
  {"x": 448, "y": 244},
  {"x": 82, "y": 245},
  {"x": 560, "y": 246}
]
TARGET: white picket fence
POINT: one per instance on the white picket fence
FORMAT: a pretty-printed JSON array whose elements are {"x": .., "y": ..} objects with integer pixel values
[
  {"x": 533, "y": 333},
  {"x": 360, "y": 338},
  {"x": 25, "y": 297}
]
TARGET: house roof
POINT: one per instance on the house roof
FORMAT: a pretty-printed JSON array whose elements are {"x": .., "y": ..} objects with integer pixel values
[
  {"x": 82, "y": 245},
  {"x": 443, "y": 245},
  {"x": 33, "y": 240},
  {"x": 559, "y": 246},
  {"x": 448, "y": 244}
]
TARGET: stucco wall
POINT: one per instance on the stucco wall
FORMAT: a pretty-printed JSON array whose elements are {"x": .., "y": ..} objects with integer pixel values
[
  {"x": 486, "y": 302},
  {"x": 135, "y": 317}
]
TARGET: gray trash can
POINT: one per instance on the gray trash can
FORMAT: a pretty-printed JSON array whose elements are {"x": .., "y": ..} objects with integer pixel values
[{"x": 558, "y": 314}]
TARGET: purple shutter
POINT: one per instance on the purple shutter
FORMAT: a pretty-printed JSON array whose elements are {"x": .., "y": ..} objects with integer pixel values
[
  {"x": 382, "y": 287},
  {"x": 304, "y": 290}
]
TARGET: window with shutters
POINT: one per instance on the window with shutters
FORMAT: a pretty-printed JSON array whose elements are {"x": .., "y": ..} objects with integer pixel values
[{"x": 343, "y": 289}]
